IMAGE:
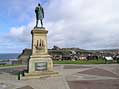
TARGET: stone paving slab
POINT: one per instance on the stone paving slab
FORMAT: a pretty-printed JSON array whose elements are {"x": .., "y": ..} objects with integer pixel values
[
  {"x": 77, "y": 77},
  {"x": 25, "y": 87},
  {"x": 94, "y": 84},
  {"x": 97, "y": 77},
  {"x": 101, "y": 76},
  {"x": 99, "y": 72}
]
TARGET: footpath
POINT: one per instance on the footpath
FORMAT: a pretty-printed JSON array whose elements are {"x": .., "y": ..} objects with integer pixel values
[{"x": 72, "y": 76}]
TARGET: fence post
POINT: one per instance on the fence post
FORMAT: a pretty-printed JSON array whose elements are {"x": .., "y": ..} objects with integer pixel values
[{"x": 18, "y": 75}]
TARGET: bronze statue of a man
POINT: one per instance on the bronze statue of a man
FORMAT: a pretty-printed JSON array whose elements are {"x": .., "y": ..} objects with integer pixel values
[{"x": 39, "y": 14}]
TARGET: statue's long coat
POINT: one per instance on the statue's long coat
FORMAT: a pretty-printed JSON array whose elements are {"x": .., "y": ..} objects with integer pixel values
[{"x": 39, "y": 13}]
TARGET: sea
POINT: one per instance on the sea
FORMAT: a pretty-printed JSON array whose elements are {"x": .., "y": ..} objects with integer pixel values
[{"x": 9, "y": 56}]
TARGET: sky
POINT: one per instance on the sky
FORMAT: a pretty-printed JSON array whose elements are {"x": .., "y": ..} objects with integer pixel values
[{"x": 85, "y": 24}]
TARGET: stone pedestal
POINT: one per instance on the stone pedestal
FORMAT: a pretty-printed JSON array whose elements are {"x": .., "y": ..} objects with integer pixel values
[{"x": 40, "y": 63}]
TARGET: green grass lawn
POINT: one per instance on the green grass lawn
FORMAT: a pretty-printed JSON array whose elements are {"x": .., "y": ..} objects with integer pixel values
[
  {"x": 100, "y": 61},
  {"x": 8, "y": 65}
]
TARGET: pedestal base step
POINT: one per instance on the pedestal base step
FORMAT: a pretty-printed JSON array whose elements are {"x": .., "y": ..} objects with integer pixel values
[{"x": 40, "y": 75}]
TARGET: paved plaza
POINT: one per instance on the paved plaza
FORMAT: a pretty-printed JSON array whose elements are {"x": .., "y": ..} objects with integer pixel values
[{"x": 101, "y": 76}]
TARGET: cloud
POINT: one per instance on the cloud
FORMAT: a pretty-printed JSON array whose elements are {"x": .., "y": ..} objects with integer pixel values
[
  {"x": 18, "y": 10},
  {"x": 88, "y": 24},
  {"x": 17, "y": 39}
]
